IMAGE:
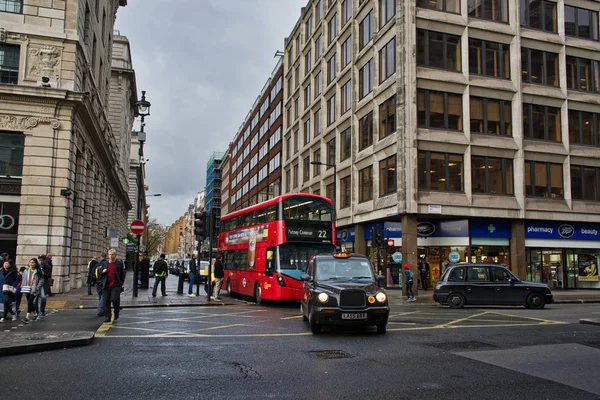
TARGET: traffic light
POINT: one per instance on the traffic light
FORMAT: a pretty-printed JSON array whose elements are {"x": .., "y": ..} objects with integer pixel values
[{"x": 200, "y": 224}]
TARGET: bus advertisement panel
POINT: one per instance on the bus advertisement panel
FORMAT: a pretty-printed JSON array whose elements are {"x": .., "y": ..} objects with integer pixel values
[{"x": 266, "y": 248}]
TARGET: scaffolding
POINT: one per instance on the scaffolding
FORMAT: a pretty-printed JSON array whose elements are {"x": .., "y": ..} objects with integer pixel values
[{"x": 213, "y": 183}]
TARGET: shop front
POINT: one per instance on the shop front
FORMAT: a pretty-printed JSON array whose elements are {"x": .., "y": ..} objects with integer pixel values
[
  {"x": 490, "y": 241},
  {"x": 441, "y": 243},
  {"x": 563, "y": 255},
  {"x": 9, "y": 226},
  {"x": 345, "y": 238}
]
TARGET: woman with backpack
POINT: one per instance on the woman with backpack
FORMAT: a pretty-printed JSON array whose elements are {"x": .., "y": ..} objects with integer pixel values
[
  {"x": 9, "y": 289},
  {"x": 33, "y": 279}
]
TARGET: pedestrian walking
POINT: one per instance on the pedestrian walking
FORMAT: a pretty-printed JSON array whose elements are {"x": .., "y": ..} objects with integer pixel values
[
  {"x": 49, "y": 279},
  {"x": 46, "y": 273},
  {"x": 409, "y": 278},
  {"x": 192, "y": 274},
  {"x": 33, "y": 280},
  {"x": 424, "y": 273},
  {"x": 161, "y": 271},
  {"x": 9, "y": 289},
  {"x": 99, "y": 282},
  {"x": 19, "y": 295},
  {"x": 219, "y": 275},
  {"x": 91, "y": 278},
  {"x": 113, "y": 276}
]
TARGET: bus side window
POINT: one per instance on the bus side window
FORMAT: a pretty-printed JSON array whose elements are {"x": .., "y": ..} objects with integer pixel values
[{"x": 270, "y": 261}]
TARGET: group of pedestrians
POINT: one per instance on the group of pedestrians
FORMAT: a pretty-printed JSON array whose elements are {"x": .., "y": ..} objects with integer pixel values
[
  {"x": 33, "y": 281},
  {"x": 107, "y": 274}
]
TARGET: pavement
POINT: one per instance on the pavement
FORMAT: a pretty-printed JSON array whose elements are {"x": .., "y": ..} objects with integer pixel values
[{"x": 72, "y": 321}]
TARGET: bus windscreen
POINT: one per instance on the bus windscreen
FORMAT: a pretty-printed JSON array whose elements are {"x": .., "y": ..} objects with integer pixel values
[
  {"x": 293, "y": 259},
  {"x": 306, "y": 209}
]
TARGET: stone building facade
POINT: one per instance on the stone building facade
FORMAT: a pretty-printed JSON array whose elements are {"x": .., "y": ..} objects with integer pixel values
[
  {"x": 64, "y": 151},
  {"x": 462, "y": 130}
]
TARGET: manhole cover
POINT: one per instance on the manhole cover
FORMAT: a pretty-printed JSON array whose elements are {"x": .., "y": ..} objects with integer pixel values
[
  {"x": 330, "y": 354},
  {"x": 468, "y": 345}
]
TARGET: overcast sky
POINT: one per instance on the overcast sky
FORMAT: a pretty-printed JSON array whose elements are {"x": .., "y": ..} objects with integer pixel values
[{"x": 202, "y": 64}]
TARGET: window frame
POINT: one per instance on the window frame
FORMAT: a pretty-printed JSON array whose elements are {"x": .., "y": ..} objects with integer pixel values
[
  {"x": 426, "y": 62},
  {"x": 528, "y": 133},
  {"x": 595, "y": 128},
  {"x": 385, "y": 166},
  {"x": 387, "y": 11},
  {"x": 502, "y": 122},
  {"x": 527, "y": 15},
  {"x": 9, "y": 74},
  {"x": 446, "y": 171},
  {"x": 576, "y": 80},
  {"x": 384, "y": 54},
  {"x": 362, "y": 33},
  {"x": 482, "y": 58},
  {"x": 345, "y": 144},
  {"x": 365, "y": 184},
  {"x": 346, "y": 94},
  {"x": 581, "y": 196},
  {"x": 504, "y": 11},
  {"x": 444, "y": 8},
  {"x": 331, "y": 110},
  {"x": 531, "y": 193},
  {"x": 384, "y": 118},
  {"x": 365, "y": 131},
  {"x": 345, "y": 192},
  {"x": 505, "y": 166},
  {"x": 591, "y": 21},
  {"x": 528, "y": 70},
  {"x": 361, "y": 78},
  {"x": 427, "y": 103},
  {"x": 14, "y": 3}
]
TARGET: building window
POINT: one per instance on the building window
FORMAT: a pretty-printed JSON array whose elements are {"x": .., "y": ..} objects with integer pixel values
[
  {"x": 581, "y": 23},
  {"x": 452, "y": 6},
  {"x": 539, "y": 14},
  {"x": 365, "y": 29},
  {"x": 295, "y": 173},
  {"x": 583, "y": 74},
  {"x": 319, "y": 11},
  {"x": 307, "y": 63},
  {"x": 387, "y": 176},
  {"x": 489, "y": 59},
  {"x": 387, "y": 60},
  {"x": 296, "y": 107},
  {"x": 318, "y": 47},
  {"x": 331, "y": 153},
  {"x": 331, "y": 69},
  {"x": 288, "y": 180},
  {"x": 317, "y": 158},
  {"x": 365, "y": 77},
  {"x": 307, "y": 131},
  {"x": 365, "y": 184},
  {"x": 492, "y": 175},
  {"x": 332, "y": 29},
  {"x": 297, "y": 45},
  {"x": 296, "y": 141},
  {"x": 583, "y": 128},
  {"x": 346, "y": 11},
  {"x": 438, "y": 50},
  {"x": 288, "y": 147},
  {"x": 345, "y": 188},
  {"x": 387, "y": 10},
  {"x": 306, "y": 171},
  {"x": 12, "y": 6},
  {"x": 331, "y": 110},
  {"x": 541, "y": 122},
  {"x": 329, "y": 192},
  {"x": 318, "y": 84},
  {"x": 11, "y": 154},
  {"x": 491, "y": 116},
  {"x": 317, "y": 121},
  {"x": 365, "y": 131},
  {"x": 584, "y": 183},
  {"x": 493, "y": 10},
  {"x": 387, "y": 117},
  {"x": 440, "y": 171},
  {"x": 307, "y": 96},
  {"x": 439, "y": 110},
  {"x": 9, "y": 64},
  {"x": 345, "y": 144},
  {"x": 347, "y": 52},
  {"x": 347, "y": 96},
  {"x": 297, "y": 76},
  {"x": 544, "y": 180},
  {"x": 308, "y": 29},
  {"x": 290, "y": 87},
  {"x": 540, "y": 67}
]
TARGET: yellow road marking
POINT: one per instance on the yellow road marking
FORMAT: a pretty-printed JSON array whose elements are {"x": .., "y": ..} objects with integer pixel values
[
  {"x": 101, "y": 332},
  {"x": 294, "y": 317},
  {"x": 456, "y": 321},
  {"x": 520, "y": 317}
]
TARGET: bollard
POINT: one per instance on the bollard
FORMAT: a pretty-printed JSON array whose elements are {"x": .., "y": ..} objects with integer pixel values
[{"x": 180, "y": 284}]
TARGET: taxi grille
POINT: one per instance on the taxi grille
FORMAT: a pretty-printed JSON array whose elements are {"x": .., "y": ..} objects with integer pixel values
[{"x": 353, "y": 298}]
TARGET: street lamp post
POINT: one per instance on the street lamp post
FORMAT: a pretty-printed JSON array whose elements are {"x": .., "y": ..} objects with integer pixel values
[
  {"x": 334, "y": 216},
  {"x": 143, "y": 110}
]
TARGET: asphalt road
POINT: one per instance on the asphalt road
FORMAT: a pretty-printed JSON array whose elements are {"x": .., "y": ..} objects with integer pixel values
[{"x": 267, "y": 352}]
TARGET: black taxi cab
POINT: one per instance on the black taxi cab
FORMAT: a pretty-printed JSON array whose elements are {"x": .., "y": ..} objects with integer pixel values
[{"x": 341, "y": 289}]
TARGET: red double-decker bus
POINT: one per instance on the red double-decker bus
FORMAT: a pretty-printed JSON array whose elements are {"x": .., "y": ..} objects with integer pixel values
[{"x": 266, "y": 247}]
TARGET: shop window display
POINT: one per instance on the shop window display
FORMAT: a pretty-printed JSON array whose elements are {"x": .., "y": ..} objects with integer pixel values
[
  {"x": 437, "y": 258},
  {"x": 491, "y": 254}
]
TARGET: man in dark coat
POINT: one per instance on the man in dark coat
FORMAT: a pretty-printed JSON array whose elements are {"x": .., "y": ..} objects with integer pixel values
[
  {"x": 113, "y": 277},
  {"x": 219, "y": 275},
  {"x": 193, "y": 272},
  {"x": 424, "y": 273},
  {"x": 161, "y": 271},
  {"x": 47, "y": 273},
  {"x": 91, "y": 279}
]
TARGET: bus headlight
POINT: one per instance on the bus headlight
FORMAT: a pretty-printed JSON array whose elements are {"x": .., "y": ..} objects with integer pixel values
[
  {"x": 381, "y": 297},
  {"x": 280, "y": 280},
  {"x": 323, "y": 297}
]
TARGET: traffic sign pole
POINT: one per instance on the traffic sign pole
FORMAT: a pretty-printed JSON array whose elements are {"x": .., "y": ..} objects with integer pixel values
[{"x": 137, "y": 228}]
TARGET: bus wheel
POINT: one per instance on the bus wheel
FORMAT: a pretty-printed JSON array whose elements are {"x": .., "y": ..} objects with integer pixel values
[
  {"x": 229, "y": 287},
  {"x": 257, "y": 293}
]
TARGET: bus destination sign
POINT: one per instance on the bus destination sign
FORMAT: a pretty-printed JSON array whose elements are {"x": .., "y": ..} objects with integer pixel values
[{"x": 308, "y": 234}]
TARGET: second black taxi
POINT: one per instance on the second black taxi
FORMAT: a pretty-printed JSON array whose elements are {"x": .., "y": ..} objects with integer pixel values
[{"x": 341, "y": 289}]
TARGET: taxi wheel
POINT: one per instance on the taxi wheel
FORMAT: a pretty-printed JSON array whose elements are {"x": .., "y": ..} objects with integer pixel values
[
  {"x": 315, "y": 328},
  {"x": 302, "y": 312},
  {"x": 257, "y": 293},
  {"x": 536, "y": 301},
  {"x": 381, "y": 328},
  {"x": 456, "y": 300}
]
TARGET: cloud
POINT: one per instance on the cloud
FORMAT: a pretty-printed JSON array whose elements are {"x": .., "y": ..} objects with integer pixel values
[{"x": 202, "y": 63}]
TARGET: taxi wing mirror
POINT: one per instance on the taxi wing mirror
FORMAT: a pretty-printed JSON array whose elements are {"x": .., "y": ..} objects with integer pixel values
[
  {"x": 511, "y": 281},
  {"x": 306, "y": 278},
  {"x": 380, "y": 279}
]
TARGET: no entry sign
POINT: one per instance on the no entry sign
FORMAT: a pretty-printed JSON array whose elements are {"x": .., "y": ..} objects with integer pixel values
[{"x": 137, "y": 227}]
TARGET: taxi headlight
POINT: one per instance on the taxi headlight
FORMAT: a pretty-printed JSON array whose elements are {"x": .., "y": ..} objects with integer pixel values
[
  {"x": 323, "y": 297},
  {"x": 381, "y": 297}
]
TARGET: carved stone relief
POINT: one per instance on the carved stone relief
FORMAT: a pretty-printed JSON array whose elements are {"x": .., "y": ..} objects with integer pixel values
[
  {"x": 20, "y": 123},
  {"x": 43, "y": 61},
  {"x": 5, "y": 35}
]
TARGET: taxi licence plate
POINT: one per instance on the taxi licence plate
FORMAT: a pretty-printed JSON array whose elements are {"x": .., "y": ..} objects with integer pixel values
[{"x": 354, "y": 315}]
